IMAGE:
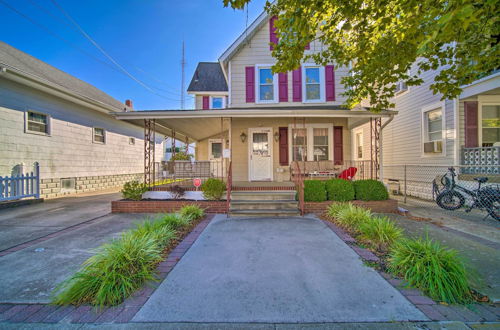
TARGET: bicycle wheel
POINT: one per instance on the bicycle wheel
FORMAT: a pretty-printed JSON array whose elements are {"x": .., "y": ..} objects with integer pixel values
[
  {"x": 494, "y": 210},
  {"x": 450, "y": 200}
]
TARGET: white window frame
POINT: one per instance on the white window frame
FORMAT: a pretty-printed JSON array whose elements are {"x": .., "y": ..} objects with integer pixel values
[
  {"x": 104, "y": 135},
  {"x": 49, "y": 123},
  {"x": 275, "y": 99},
  {"x": 217, "y": 96},
  {"x": 402, "y": 92},
  {"x": 310, "y": 140},
  {"x": 355, "y": 133},
  {"x": 212, "y": 141},
  {"x": 423, "y": 128},
  {"x": 321, "y": 83},
  {"x": 484, "y": 100}
]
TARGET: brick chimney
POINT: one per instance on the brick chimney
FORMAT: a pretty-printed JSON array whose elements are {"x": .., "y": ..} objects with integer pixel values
[{"x": 129, "y": 104}]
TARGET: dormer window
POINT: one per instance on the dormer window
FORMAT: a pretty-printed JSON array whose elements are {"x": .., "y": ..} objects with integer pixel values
[{"x": 217, "y": 102}]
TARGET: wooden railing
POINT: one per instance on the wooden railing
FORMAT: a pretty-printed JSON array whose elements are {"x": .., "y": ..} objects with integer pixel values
[
  {"x": 229, "y": 186},
  {"x": 20, "y": 186},
  {"x": 298, "y": 179}
]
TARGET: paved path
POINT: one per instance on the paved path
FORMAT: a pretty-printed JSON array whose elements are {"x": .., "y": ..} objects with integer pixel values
[
  {"x": 274, "y": 270},
  {"x": 75, "y": 226}
]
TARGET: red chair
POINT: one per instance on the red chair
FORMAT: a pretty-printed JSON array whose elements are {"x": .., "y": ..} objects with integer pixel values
[{"x": 348, "y": 174}]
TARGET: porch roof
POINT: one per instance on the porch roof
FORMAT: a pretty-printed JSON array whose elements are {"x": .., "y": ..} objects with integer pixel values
[{"x": 197, "y": 125}]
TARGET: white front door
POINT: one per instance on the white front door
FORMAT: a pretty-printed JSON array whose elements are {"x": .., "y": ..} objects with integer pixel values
[
  {"x": 215, "y": 157},
  {"x": 260, "y": 146}
]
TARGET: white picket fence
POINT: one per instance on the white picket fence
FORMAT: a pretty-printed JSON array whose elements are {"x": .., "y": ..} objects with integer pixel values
[{"x": 20, "y": 186}]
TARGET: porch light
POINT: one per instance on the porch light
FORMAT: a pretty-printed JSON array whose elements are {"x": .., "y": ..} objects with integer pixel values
[
  {"x": 276, "y": 136},
  {"x": 243, "y": 137}
]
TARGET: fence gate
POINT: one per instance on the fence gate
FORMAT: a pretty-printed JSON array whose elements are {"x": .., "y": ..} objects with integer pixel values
[{"x": 20, "y": 186}]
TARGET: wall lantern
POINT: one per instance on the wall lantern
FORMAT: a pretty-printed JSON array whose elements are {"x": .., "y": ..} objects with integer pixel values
[
  {"x": 243, "y": 137},
  {"x": 276, "y": 136}
]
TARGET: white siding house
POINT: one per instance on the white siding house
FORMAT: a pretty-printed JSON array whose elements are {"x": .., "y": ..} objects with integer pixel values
[{"x": 50, "y": 117}]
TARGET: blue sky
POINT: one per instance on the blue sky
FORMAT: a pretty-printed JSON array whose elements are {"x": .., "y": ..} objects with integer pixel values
[{"x": 144, "y": 36}]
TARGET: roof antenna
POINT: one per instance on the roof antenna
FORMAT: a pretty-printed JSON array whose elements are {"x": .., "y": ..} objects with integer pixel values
[{"x": 183, "y": 78}]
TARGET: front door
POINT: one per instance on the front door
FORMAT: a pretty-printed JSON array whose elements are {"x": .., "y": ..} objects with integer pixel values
[
  {"x": 215, "y": 158},
  {"x": 260, "y": 152}
]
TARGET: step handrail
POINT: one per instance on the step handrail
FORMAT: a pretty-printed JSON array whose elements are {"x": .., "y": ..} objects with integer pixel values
[{"x": 229, "y": 185}]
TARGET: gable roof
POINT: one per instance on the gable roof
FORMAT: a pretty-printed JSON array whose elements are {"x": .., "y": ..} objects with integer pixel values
[
  {"x": 244, "y": 37},
  {"x": 14, "y": 59},
  {"x": 208, "y": 77}
]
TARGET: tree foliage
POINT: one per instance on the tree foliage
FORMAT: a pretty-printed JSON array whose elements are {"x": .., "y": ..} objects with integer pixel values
[{"x": 380, "y": 40}]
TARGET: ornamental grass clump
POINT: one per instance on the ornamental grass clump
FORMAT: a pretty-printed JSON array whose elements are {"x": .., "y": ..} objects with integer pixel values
[
  {"x": 379, "y": 233},
  {"x": 156, "y": 229},
  {"x": 334, "y": 209},
  {"x": 192, "y": 212},
  {"x": 175, "y": 221},
  {"x": 113, "y": 273},
  {"x": 351, "y": 217},
  {"x": 436, "y": 270}
]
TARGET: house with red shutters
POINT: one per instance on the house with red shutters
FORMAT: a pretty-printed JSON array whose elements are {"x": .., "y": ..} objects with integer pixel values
[{"x": 259, "y": 125}]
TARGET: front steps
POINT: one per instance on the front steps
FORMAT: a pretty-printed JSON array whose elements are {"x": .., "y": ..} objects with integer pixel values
[{"x": 263, "y": 203}]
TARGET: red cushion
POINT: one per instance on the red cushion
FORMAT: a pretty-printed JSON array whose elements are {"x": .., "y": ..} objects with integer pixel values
[{"x": 348, "y": 174}]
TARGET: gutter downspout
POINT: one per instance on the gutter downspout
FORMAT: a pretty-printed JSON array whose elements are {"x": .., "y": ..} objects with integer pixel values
[{"x": 381, "y": 156}]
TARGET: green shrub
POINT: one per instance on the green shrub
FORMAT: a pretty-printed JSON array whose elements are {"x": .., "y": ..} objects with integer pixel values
[
  {"x": 370, "y": 190},
  {"x": 213, "y": 189},
  {"x": 156, "y": 229},
  {"x": 175, "y": 221},
  {"x": 133, "y": 190},
  {"x": 351, "y": 217},
  {"x": 314, "y": 191},
  {"x": 438, "y": 271},
  {"x": 192, "y": 212},
  {"x": 181, "y": 156},
  {"x": 110, "y": 276},
  {"x": 380, "y": 233},
  {"x": 339, "y": 190},
  {"x": 334, "y": 209}
]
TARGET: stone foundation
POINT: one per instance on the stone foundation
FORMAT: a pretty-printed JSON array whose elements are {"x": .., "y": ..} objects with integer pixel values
[{"x": 51, "y": 188}]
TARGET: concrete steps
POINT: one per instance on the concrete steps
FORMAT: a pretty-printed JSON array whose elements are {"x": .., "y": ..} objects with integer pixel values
[{"x": 272, "y": 203}]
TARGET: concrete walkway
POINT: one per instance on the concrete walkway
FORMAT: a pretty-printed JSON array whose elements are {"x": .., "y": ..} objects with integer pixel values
[{"x": 274, "y": 270}]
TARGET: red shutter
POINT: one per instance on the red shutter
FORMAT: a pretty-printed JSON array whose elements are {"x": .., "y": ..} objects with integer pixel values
[
  {"x": 283, "y": 142},
  {"x": 338, "y": 146},
  {"x": 471, "y": 124},
  {"x": 308, "y": 46},
  {"x": 297, "y": 85},
  {"x": 206, "y": 102},
  {"x": 272, "y": 32},
  {"x": 250, "y": 84},
  {"x": 283, "y": 87},
  {"x": 330, "y": 82}
]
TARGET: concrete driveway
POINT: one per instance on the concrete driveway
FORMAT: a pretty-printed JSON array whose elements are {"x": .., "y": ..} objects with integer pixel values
[
  {"x": 274, "y": 270},
  {"x": 76, "y": 225}
]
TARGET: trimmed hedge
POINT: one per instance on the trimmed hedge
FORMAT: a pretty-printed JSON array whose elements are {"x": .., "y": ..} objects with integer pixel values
[
  {"x": 213, "y": 189},
  {"x": 314, "y": 191},
  {"x": 339, "y": 190},
  {"x": 370, "y": 190}
]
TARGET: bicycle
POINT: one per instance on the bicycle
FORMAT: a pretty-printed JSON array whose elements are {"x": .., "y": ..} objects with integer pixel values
[{"x": 451, "y": 197}]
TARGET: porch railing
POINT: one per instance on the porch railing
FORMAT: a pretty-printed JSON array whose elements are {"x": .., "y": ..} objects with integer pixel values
[
  {"x": 298, "y": 179},
  {"x": 20, "y": 186},
  {"x": 481, "y": 160},
  {"x": 182, "y": 173},
  {"x": 229, "y": 186},
  {"x": 366, "y": 169}
]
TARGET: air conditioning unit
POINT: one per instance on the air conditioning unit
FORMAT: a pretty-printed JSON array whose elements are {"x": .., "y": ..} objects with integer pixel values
[
  {"x": 401, "y": 87},
  {"x": 433, "y": 147}
]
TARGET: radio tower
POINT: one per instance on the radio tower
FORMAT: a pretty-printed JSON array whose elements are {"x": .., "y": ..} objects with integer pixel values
[{"x": 183, "y": 65}]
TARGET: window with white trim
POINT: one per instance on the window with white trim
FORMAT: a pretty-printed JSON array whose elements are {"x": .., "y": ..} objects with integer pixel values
[
  {"x": 490, "y": 125},
  {"x": 99, "y": 135},
  {"x": 313, "y": 84},
  {"x": 38, "y": 123},
  {"x": 320, "y": 144},
  {"x": 266, "y": 85},
  {"x": 359, "y": 145},
  {"x": 433, "y": 123},
  {"x": 299, "y": 144}
]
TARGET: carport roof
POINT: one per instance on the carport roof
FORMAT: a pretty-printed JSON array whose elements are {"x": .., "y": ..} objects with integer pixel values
[{"x": 197, "y": 125}]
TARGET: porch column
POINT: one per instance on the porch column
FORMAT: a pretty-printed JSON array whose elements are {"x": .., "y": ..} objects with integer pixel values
[{"x": 149, "y": 151}]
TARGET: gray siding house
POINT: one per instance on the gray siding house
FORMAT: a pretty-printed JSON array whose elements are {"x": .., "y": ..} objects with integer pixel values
[{"x": 53, "y": 118}]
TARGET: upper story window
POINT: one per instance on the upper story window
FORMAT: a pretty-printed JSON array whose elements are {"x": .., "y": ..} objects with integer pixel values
[
  {"x": 313, "y": 84},
  {"x": 217, "y": 102},
  {"x": 38, "y": 123},
  {"x": 266, "y": 85},
  {"x": 401, "y": 87},
  {"x": 434, "y": 123},
  {"x": 99, "y": 135},
  {"x": 432, "y": 129}
]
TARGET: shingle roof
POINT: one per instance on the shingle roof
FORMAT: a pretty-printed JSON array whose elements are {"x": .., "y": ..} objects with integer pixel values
[
  {"x": 208, "y": 77},
  {"x": 27, "y": 64}
]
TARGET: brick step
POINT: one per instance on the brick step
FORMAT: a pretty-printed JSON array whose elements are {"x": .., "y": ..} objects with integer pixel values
[{"x": 264, "y": 213}]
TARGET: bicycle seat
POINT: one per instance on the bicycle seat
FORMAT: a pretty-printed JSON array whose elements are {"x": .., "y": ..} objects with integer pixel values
[{"x": 481, "y": 179}]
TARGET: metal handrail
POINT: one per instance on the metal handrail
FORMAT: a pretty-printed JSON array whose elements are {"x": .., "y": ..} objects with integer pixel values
[
  {"x": 299, "y": 185},
  {"x": 229, "y": 184}
]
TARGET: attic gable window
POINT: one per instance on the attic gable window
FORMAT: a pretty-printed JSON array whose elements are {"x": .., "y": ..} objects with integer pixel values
[
  {"x": 217, "y": 102},
  {"x": 266, "y": 85}
]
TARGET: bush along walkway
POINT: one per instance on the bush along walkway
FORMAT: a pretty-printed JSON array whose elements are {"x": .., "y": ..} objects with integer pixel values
[
  {"x": 379, "y": 242},
  {"x": 65, "y": 311}
]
